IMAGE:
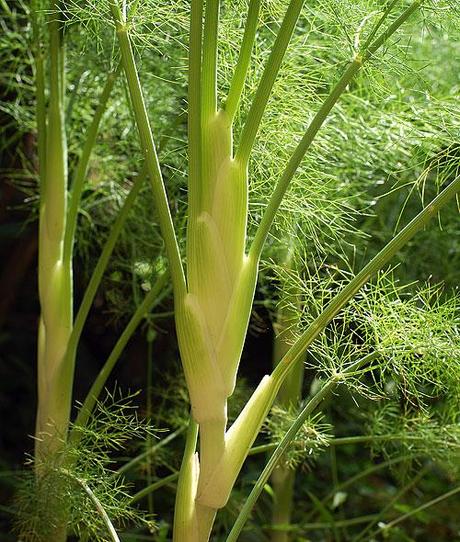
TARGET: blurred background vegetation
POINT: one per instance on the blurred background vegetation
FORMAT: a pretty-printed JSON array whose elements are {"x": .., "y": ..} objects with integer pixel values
[{"x": 389, "y": 145}]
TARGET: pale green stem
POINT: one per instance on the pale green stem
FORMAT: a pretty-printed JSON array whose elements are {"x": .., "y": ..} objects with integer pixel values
[
  {"x": 55, "y": 376},
  {"x": 185, "y": 520},
  {"x": 209, "y": 72},
  {"x": 149, "y": 301},
  {"x": 267, "y": 81},
  {"x": 149, "y": 152},
  {"x": 314, "y": 127},
  {"x": 79, "y": 176},
  {"x": 40, "y": 109},
  {"x": 194, "y": 114},
  {"x": 242, "y": 66},
  {"x": 392, "y": 502},
  {"x": 101, "y": 266}
]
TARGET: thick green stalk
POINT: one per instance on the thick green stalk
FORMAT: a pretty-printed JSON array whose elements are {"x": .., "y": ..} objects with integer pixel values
[
  {"x": 269, "y": 75},
  {"x": 150, "y": 153},
  {"x": 55, "y": 278},
  {"x": 242, "y": 66},
  {"x": 54, "y": 375}
]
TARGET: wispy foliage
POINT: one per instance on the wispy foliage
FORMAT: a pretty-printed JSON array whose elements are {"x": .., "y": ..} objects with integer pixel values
[{"x": 77, "y": 482}]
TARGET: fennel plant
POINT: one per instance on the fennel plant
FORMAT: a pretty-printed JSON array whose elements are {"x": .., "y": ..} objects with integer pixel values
[{"x": 214, "y": 279}]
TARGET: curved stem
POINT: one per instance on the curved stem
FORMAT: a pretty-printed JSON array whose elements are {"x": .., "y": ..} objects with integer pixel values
[
  {"x": 97, "y": 503},
  {"x": 251, "y": 126},
  {"x": 241, "y": 70}
]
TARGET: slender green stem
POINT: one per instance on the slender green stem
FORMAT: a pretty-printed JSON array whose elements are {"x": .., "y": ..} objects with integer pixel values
[
  {"x": 242, "y": 66},
  {"x": 314, "y": 402},
  {"x": 267, "y": 81},
  {"x": 150, "y": 154},
  {"x": 101, "y": 265},
  {"x": 362, "y": 474},
  {"x": 151, "y": 488},
  {"x": 387, "y": 10},
  {"x": 442, "y": 497},
  {"x": 297, "y": 156},
  {"x": 340, "y": 523},
  {"x": 314, "y": 127},
  {"x": 138, "y": 459},
  {"x": 369, "y": 270},
  {"x": 209, "y": 73},
  {"x": 194, "y": 111},
  {"x": 392, "y": 502},
  {"x": 392, "y": 28},
  {"x": 149, "y": 301},
  {"x": 82, "y": 166}
]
